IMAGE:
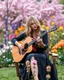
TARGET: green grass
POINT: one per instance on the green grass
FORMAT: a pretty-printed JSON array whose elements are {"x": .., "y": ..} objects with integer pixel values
[
  {"x": 10, "y": 73},
  {"x": 60, "y": 70}
]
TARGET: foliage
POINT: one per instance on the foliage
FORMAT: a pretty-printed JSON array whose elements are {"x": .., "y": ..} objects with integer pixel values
[
  {"x": 56, "y": 36},
  {"x": 5, "y": 55},
  {"x": 59, "y": 49},
  {"x": 6, "y": 47},
  {"x": 57, "y": 44}
]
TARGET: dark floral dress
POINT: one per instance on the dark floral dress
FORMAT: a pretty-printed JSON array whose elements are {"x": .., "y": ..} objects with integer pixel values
[{"x": 42, "y": 60}]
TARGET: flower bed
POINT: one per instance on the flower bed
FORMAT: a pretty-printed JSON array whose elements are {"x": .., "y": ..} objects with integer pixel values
[
  {"x": 57, "y": 44},
  {"x": 5, "y": 55},
  {"x": 59, "y": 49}
]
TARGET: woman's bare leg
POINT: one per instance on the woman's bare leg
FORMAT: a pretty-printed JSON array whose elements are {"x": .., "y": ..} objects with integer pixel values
[{"x": 34, "y": 68}]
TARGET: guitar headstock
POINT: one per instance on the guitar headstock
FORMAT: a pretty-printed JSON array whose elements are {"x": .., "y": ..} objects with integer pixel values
[{"x": 53, "y": 28}]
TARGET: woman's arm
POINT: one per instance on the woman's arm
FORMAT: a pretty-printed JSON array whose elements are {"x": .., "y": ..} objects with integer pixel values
[
  {"x": 18, "y": 38},
  {"x": 45, "y": 41}
]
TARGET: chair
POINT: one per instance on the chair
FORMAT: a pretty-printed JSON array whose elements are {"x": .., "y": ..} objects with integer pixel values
[{"x": 54, "y": 56}]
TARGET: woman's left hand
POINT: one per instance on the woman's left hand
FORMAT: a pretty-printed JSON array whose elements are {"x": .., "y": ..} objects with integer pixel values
[{"x": 40, "y": 42}]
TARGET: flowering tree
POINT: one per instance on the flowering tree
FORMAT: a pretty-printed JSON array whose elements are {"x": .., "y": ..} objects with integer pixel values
[{"x": 22, "y": 9}]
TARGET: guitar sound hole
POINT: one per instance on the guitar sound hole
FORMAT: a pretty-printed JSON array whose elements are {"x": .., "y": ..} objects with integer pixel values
[
  {"x": 24, "y": 50},
  {"x": 26, "y": 46}
]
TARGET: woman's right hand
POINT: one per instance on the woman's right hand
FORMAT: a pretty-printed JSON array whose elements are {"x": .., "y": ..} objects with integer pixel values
[{"x": 21, "y": 47}]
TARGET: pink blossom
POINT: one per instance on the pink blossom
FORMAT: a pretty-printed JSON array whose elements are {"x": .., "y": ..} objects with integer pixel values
[{"x": 43, "y": 10}]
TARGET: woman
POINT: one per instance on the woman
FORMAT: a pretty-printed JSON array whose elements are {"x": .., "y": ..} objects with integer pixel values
[{"x": 40, "y": 66}]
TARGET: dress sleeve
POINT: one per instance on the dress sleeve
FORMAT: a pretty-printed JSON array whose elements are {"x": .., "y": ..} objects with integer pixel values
[
  {"x": 45, "y": 40},
  {"x": 18, "y": 38}
]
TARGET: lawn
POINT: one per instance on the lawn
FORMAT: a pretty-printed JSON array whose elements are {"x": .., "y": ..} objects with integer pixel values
[{"x": 10, "y": 73}]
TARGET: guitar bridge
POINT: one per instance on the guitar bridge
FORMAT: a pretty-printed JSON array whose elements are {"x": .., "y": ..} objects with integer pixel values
[{"x": 23, "y": 51}]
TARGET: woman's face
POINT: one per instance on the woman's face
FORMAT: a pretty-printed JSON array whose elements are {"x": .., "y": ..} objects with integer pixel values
[{"x": 33, "y": 25}]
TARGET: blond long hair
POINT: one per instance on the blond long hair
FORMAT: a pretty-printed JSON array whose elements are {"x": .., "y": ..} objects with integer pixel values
[{"x": 28, "y": 26}]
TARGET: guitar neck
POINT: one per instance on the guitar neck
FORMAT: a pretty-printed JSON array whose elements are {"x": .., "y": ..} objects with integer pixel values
[
  {"x": 41, "y": 35},
  {"x": 33, "y": 41}
]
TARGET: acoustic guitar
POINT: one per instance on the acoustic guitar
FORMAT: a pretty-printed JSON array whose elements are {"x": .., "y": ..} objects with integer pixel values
[{"x": 27, "y": 43}]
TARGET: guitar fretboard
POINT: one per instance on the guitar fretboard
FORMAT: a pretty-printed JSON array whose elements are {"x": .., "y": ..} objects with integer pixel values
[{"x": 41, "y": 35}]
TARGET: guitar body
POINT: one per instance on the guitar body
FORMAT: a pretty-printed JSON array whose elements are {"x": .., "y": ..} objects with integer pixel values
[
  {"x": 15, "y": 51},
  {"x": 19, "y": 56}
]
